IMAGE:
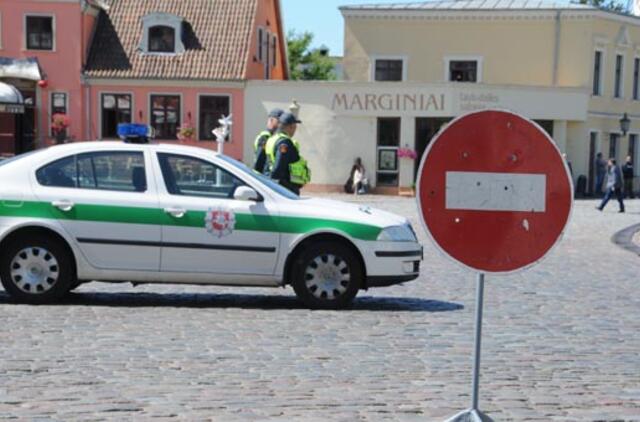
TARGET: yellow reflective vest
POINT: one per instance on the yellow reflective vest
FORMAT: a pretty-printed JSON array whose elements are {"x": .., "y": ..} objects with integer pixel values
[{"x": 299, "y": 172}]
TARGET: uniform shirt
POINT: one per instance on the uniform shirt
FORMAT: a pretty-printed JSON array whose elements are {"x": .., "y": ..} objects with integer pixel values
[
  {"x": 286, "y": 153},
  {"x": 627, "y": 170},
  {"x": 261, "y": 155}
]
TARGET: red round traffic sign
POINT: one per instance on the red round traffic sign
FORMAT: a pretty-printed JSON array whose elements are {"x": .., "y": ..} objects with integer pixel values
[{"x": 494, "y": 192}]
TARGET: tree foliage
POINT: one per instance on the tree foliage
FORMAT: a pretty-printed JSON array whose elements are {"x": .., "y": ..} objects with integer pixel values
[
  {"x": 306, "y": 63},
  {"x": 610, "y": 5}
]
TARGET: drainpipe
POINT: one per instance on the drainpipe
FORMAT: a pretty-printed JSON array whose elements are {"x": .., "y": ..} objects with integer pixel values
[{"x": 556, "y": 48}]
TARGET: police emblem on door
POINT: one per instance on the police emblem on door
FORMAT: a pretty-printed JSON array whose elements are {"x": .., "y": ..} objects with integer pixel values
[{"x": 220, "y": 221}]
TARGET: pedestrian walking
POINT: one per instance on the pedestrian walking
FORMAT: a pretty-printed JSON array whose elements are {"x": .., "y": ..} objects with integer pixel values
[
  {"x": 614, "y": 185},
  {"x": 601, "y": 170},
  {"x": 627, "y": 173}
]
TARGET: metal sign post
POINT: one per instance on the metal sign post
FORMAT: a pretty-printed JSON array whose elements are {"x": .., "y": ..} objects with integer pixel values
[
  {"x": 495, "y": 196},
  {"x": 474, "y": 414}
]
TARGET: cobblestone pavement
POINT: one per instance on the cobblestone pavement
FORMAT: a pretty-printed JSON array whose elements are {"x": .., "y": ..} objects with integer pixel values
[{"x": 561, "y": 343}]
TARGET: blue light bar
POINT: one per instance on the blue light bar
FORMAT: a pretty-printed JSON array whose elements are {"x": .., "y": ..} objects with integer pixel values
[{"x": 132, "y": 130}]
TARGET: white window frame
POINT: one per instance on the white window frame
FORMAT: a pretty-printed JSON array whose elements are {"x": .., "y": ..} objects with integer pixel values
[
  {"x": 150, "y": 110},
  {"x": 99, "y": 102},
  {"x": 205, "y": 94},
  {"x": 601, "y": 79},
  {"x": 53, "y": 31},
  {"x": 375, "y": 57},
  {"x": 154, "y": 19},
  {"x": 66, "y": 107},
  {"x": 464, "y": 58},
  {"x": 622, "y": 76}
]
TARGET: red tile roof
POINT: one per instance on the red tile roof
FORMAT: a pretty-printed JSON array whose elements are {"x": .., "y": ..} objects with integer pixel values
[{"x": 217, "y": 37}]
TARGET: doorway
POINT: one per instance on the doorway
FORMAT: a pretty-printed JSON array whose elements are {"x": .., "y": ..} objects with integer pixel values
[
  {"x": 593, "y": 141},
  {"x": 426, "y": 129}
]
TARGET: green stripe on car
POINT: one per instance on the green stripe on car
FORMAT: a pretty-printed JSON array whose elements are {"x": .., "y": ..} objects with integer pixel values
[{"x": 136, "y": 215}]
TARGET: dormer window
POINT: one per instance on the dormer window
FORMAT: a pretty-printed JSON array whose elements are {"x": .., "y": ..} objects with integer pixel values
[
  {"x": 162, "y": 34},
  {"x": 162, "y": 39}
]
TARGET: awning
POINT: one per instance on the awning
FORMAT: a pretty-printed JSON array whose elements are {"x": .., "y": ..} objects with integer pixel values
[
  {"x": 20, "y": 68},
  {"x": 11, "y": 100}
]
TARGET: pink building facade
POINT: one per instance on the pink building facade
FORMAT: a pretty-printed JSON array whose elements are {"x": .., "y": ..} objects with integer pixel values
[{"x": 162, "y": 63}]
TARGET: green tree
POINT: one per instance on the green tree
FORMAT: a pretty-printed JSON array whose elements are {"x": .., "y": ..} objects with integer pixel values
[
  {"x": 306, "y": 63},
  {"x": 610, "y": 5}
]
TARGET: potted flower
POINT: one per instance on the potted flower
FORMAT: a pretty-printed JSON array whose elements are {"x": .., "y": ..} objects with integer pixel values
[
  {"x": 186, "y": 132},
  {"x": 408, "y": 153},
  {"x": 59, "y": 124}
]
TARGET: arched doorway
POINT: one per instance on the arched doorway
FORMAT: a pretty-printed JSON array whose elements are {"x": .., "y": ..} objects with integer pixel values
[{"x": 12, "y": 112}]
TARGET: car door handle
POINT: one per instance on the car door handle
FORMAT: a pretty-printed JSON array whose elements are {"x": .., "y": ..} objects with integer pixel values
[
  {"x": 176, "y": 212},
  {"x": 63, "y": 205}
]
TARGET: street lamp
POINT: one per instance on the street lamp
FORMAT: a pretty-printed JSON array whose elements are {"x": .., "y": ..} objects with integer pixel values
[{"x": 625, "y": 123}]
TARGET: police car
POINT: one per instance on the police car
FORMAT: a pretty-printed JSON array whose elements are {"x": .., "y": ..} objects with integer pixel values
[{"x": 161, "y": 213}]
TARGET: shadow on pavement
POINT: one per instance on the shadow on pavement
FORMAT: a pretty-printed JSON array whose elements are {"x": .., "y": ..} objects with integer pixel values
[{"x": 266, "y": 302}]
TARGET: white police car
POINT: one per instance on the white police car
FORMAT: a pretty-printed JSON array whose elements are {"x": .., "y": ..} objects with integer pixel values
[{"x": 146, "y": 213}]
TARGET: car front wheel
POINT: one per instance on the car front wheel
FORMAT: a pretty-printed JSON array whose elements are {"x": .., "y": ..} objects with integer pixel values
[
  {"x": 327, "y": 275},
  {"x": 36, "y": 269}
]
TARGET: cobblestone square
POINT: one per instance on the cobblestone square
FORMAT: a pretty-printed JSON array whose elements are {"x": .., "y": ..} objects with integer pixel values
[{"x": 561, "y": 343}]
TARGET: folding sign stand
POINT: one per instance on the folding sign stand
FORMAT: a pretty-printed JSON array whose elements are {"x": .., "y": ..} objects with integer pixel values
[{"x": 474, "y": 414}]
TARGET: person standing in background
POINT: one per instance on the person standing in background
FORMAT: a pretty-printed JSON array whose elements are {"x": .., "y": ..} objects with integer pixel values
[
  {"x": 262, "y": 138},
  {"x": 627, "y": 172}
]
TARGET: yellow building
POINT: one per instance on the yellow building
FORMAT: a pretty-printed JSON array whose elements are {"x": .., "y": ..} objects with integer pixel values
[{"x": 513, "y": 44}]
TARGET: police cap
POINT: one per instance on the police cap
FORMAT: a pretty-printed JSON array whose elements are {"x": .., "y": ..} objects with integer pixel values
[
  {"x": 288, "y": 119},
  {"x": 276, "y": 113}
]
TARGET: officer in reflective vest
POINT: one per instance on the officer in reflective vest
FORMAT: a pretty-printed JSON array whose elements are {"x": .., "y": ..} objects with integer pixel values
[
  {"x": 260, "y": 164},
  {"x": 286, "y": 165}
]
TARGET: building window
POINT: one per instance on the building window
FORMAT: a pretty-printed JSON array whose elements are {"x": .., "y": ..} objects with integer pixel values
[
  {"x": 116, "y": 109},
  {"x": 274, "y": 50},
  {"x": 58, "y": 105},
  {"x": 39, "y": 32},
  {"x": 162, "y": 39},
  {"x": 212, "y": 108},
  {"x": 636, "y": 75},
  {"x": 617, "y": 91},
  {"x": 260, "y": 44},
  {"x": 165, "y": 115},
  {"x": 463, "y": 71},
  {"x": 388, "y": 143},
  {"x": 613, "y": 145},
  {"x": 597, "y": 73},
  {"x": 388, "y": 70}
]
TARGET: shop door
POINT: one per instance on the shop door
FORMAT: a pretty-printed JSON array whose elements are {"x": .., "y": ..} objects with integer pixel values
[
  {"x": 7, "y": 133},
  {"x": 426, "y": 129},
  {"x": 27, "y": 136}
]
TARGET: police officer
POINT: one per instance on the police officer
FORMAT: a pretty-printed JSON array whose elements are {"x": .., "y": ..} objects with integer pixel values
[
  {"x": 260, "y": 164},
  {"x": 286, "y": 165}
]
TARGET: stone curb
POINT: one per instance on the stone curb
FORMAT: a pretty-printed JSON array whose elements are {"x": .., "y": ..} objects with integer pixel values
[{"x": 624, "y": 239}]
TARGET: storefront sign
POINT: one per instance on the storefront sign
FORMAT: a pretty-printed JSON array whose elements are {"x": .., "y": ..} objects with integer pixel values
[
  {"x": 476, "y": 102},
  {"x": 12, "y": 108},
  {"x": 385, "y": 102}
]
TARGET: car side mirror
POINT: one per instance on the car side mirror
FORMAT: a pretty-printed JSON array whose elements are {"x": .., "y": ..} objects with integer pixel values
[{"x": 245, "y": 193}]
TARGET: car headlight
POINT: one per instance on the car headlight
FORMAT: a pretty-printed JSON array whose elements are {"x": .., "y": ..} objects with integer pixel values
[{"x": 402, "y": 233}]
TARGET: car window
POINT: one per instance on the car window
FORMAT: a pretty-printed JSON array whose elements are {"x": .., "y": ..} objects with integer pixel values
[
  {"x": 190, "y": 176},
  {"x": 60, "y": 173},
  {"x": 115, "y": 171},
  {"x": 281, "y": 190}
]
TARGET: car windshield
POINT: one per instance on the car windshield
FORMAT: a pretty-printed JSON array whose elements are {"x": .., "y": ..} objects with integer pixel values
[
  {"x": 5, "y": 161},
  {"x": 260, "y": 178}
]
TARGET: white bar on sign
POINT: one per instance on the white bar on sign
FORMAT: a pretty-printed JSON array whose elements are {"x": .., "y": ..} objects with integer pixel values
[{"x": 479, "y": 191}]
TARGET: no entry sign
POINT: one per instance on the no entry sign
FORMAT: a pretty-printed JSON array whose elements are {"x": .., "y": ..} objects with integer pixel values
[{"x": 494, "y": 191}]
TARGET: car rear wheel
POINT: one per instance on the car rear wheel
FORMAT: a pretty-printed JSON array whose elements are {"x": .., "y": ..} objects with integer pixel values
[
  {"x": 327, "y": 275},
  {"x": 36, "y": 269}
]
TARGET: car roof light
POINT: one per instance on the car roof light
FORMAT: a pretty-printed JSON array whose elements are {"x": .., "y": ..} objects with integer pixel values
[{"x": 135, "y": 133}]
